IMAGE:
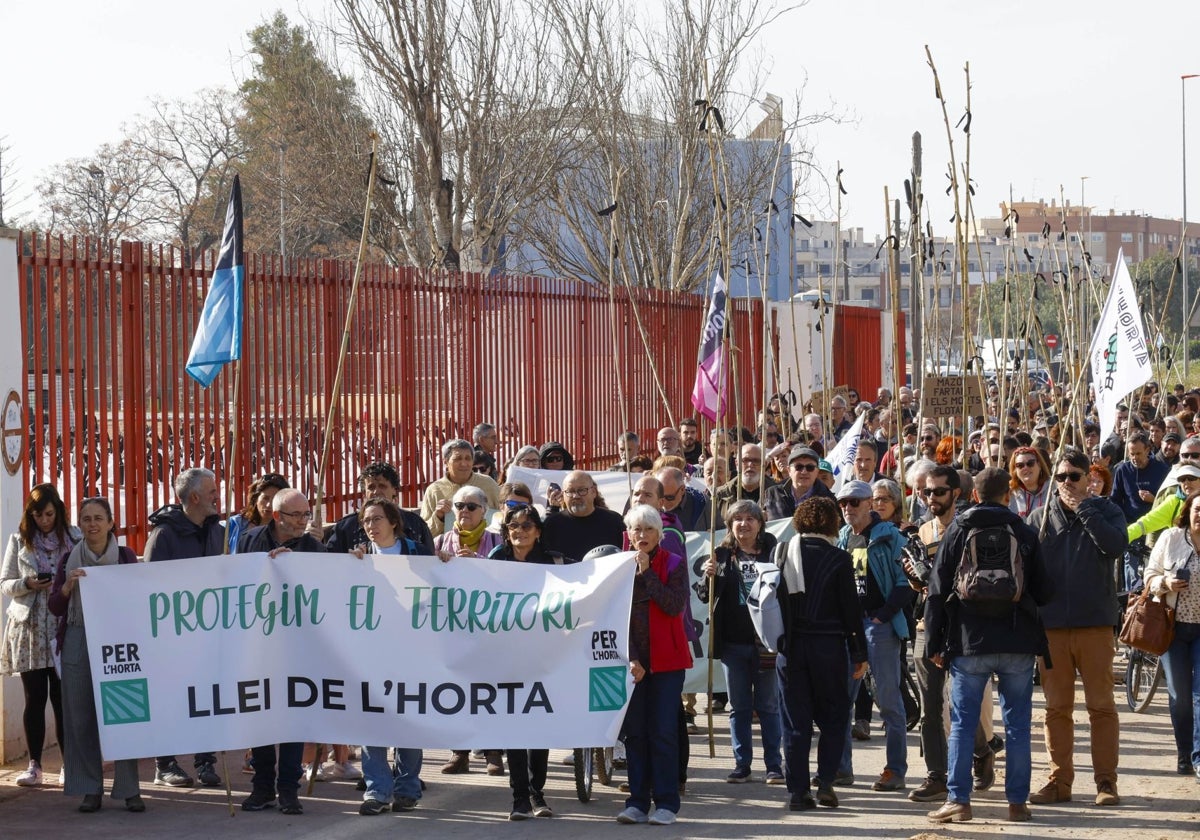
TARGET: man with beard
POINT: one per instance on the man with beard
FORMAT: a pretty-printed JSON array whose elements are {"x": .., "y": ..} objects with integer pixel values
[
  {"x": 691, "y": 448},
  {"x": 583, "y": 522},
  {"x": 750, "y": 478},
  {"x": 781, "y": 500}
]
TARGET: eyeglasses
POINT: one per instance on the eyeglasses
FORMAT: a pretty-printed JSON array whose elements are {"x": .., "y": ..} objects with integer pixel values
[
  {"x": 1189, "y": 454},
  {"x": 746, "y": 462},
  {"x": 373, "y": 520},
  {"x": 577, "y": 491},
  {"x": 1063, "y": 478},
  {"x": 934, "y": 491},
  {"x": 302, "y": 514},
  {"x": 1023, "y": 464},
  {"x": 879, "y": 500},
  {"x": 520, "y": 526},
  {"x": 928, "y": 437},
  {"x": 804, "y": 467},
  {"x": 471, "y": 506},
  {"x": 670, "y": 497},
  {"x": 850, "y": 502}
]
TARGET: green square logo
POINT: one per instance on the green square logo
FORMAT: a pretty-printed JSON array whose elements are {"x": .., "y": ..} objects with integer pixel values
[
  {"x": 606, "y": 688},
  {"x": 125, "y": 701}
]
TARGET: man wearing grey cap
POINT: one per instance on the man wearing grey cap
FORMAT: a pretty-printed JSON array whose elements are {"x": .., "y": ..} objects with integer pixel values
[
  {"x": 781, "y": 500},
  {"x": 883, "y": 593}
]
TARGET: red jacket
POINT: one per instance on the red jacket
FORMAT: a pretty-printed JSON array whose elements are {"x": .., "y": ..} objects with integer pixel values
[{"x": 656, "y": 634}]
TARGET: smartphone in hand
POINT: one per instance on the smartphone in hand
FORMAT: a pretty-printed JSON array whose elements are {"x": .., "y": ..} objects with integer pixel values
[{"x": 44, "y": 576}]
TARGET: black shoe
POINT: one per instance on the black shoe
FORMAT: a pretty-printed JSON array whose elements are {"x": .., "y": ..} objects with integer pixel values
[
  {"x": 172, "y": 775},
  {"x": 362, "y": 785},
  {"x": 373, "y": 807},
  {"x": 1184, "y": 767},
  {"x": 404, "y": 803},
  {"x": 289, "y": 804},
  {"x": 802, "y": 802},
  {"x": 826, "y": 797},
  {"x": 985, "y": 771},
  {"x": 258, "y": 800},
  {"x": 134, "y": 804},
  {"x": 997, "y": 744},
  {"x": 521, "y": 810},
  {"x": 91, "y": 803},
  {"x": 540, "y": 808},
  {"x": 207, "y": 775}
]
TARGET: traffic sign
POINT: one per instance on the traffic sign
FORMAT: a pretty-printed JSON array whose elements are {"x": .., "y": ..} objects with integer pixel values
[{"x": 1051, "y": 341}]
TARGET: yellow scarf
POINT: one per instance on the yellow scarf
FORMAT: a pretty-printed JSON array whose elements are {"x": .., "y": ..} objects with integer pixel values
[{"x": 470, "y": 539}]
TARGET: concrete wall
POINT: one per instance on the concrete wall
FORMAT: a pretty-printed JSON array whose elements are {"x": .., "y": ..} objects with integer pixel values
[{"x": 12, "y": 487}]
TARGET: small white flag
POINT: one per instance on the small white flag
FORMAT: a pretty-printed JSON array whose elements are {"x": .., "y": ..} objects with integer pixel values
[
  {"x": 1120, "y": 354},
  {"x": 841, "y": 457}
]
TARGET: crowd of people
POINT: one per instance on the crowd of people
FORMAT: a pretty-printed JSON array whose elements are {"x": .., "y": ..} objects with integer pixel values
[{"x": 992, "y": 556}]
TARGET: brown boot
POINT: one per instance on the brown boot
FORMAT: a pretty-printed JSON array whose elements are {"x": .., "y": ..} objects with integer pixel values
[
  {"x": 951, "y": 811},
  {"x": 460, "y": 762},
  {"x": 1106, "y": 794},
  {"x": 1051, "y": 794},
  {"x": 1018, "y": 812},
  {"x": 495, "y": 762}
]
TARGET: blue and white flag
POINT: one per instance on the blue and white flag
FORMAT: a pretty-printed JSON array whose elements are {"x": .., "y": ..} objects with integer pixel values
[
  {"x": 709, "y": 393},
  {"x": 842, "y": 456},
  {"x": 218, "y": 338}
]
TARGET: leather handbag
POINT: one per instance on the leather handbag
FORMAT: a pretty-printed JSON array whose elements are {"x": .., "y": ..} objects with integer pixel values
[{"x": 1149, "y": 625}]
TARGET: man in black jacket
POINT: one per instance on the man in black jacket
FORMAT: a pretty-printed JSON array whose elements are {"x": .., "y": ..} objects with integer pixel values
[
  {"x": 976, "y": 634},
  {"x": 1083, "y": 540},
  {"x": 379, "y": 480},
  {"x": 191, "y": 528}
]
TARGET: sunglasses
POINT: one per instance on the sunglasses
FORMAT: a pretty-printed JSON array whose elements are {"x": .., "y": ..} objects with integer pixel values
[
  {"x": 934, "y": 491},
  {"x": 1189, "y": 454},
  {"x": 550, "y": 459},
  {"x": 804, "y": 467},
  {"x": 471, "y": 506},
  {"x": 515, "y": 503},
  {"x": 520, "y": 526},
  {"x": 850, "y": 502},
  {"x": 1023, "y": 464},
  {"x": 1063, "y": 478},
  {"x": 928, "y": 437}
]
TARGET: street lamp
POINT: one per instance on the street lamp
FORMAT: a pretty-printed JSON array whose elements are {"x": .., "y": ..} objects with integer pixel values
[{"x": 1187, "y": 308}]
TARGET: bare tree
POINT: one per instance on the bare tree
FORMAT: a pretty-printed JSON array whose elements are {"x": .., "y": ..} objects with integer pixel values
[
  {"x": 107, "y": 196},
  {"x": 191, "y": 147},
  {"x": 473, "y": 107}
]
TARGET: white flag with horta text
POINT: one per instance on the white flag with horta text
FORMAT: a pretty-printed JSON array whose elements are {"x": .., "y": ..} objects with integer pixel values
[{"x": 1120, "y": 354}]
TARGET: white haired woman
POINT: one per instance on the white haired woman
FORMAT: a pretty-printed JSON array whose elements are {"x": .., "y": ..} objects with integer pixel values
[
  {"x": 468, "y": 536},
  {"x": 658, "y": 657}
]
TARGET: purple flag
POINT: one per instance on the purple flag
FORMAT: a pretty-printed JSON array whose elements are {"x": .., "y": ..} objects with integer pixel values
[{"x": 709, "y": 393}]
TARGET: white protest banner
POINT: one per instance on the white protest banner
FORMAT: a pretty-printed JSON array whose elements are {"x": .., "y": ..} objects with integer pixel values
[
  {"x": 221, "y": 653},
  {"x": 1120, "y": 358}
]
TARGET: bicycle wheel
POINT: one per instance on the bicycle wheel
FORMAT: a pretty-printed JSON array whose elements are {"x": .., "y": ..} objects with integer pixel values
[
  {"x": 584, "y": 766},
  {"x": 1139, "y": 676},
  {"x": 1155, "y": 679},
  {"x": 912, "y": 702},
  {"x": 603, "y": 765}
]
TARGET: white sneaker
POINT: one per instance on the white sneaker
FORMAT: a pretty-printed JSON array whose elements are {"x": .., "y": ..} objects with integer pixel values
[
  {"x": 662, "y": 816},
  {"x": 62, "y": 777},
  {"x": 632, "y": 816},
  {"x": 32, "y": 777},
  {"x": 343, "y": 770},
  {"x": 304, "y": 770},
  {"x": 568, "y": 760}
]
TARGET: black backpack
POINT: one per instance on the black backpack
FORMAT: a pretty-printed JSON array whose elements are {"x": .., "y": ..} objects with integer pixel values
[{"x": 992, "y": 570}]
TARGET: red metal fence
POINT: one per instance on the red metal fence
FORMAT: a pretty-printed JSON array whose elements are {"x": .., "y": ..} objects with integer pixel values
[{"x": 107, "y": 332}]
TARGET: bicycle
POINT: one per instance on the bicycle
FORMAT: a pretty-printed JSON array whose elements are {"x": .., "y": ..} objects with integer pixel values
[
  {"x": 592, "y": 764},
  {"x": 1143, "y": 676}
]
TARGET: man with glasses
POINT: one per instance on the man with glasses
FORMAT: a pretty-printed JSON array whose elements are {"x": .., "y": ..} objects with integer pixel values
[
  {"x": 781, "y": 500},
  {"x": 1083, "y": 538},
  {"x": 583, "y": 522},
  {"x": 458, "y": 456},
  {"x": 1135, "y": 483},
  {"x": 942, "y": 490},
  {"x": 875, "y": 546},
  {"x": 838, "y": 420},
  {"x": 928, "y": 441},
  {"x": 191, "y": 528},
  {"x": 287, "y": 531},
  {"x": 687, "y": 503},
  {"x": 378, "y": 481},
  {"x": 670, "y": 443},
  {"x": 750, "y": 480},
  {"x": 975, "y": 638}
]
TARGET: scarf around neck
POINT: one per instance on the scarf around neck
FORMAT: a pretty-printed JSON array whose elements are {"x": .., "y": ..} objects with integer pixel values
[
  {"x": 82, "y": 557},
  {"x": 48, "y": 550},
  {"x": 470, "y": 539}
]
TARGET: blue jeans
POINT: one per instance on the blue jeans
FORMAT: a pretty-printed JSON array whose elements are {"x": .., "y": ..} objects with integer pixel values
[
  {"x": 751, "y": 688},
  {"x": 883, "y": 654},
  {"x": 1015, "y": 686},
  {"x": 1181, "y": 664},
  {"x": 651, "y": 733},
  {"x": 401, "y": 780}
]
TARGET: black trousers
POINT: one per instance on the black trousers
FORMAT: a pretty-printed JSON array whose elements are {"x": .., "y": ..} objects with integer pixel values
[
  {"x": 527, "y": 772},
  {"x": 813, "y": 685}
]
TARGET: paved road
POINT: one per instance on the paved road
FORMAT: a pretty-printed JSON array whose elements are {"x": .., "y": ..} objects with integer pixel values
[{"x": 1157, "y": 804}]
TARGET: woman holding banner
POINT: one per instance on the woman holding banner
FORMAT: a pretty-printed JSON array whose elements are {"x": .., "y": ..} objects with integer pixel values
[
  {"x": 468, "y": 536},
  {"x": 658, "y": 656},
  {"x": 82, "y": 732},
  {"x": 34, "y": 554},
  {"x": 522, "y": 529}
]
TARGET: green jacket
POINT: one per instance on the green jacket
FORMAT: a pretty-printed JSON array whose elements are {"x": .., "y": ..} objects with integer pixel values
[{"x": 1161, "y": 516}]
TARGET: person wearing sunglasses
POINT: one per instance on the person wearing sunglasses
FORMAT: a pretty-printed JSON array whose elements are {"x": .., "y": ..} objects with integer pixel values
[
  {"x": 1084, "y": 535},
  {"x": 459, "y": 458},
  {"x": 875, "y": 547},
  {"x": 1030, "y": 480},
  {"x": 1182, "y": 482},
  {"x": 781, "y": 500},
  {"x": 521, "y": 542},
  {"x": 469, "y": 535}
]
